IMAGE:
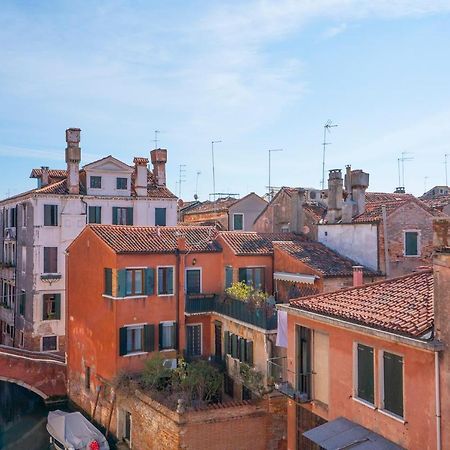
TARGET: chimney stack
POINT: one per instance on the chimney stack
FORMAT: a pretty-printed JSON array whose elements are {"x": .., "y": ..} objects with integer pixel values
[
  {"x": 44, "y": 176},
  {"x": 359, "y": 182},
  {"x": 140, "y": 170},
  {"x": 159, "y": 160},
  {"x": 73, "y": 158},
  {"x": 358, "y": 276},
  {"x": 335, "y": 197},
  {"x": 297, "y": 214}
]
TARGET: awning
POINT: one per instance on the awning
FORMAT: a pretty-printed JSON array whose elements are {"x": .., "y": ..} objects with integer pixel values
[
  {"x": 342, "y": 434},
  {"x": 295, "y": 277}
]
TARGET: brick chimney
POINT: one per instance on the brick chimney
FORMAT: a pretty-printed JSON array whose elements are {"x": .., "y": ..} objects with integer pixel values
[
  {"x": 297, "y": 214},
  {"x": 335, "y": 196},
  {"x": 159, "y": 160},
  {"x": 140, "y": 170},
  {"x": 44, "y": 176},
  {"x": 358, "y": 279},
  {"x": 73, "y": 158}
]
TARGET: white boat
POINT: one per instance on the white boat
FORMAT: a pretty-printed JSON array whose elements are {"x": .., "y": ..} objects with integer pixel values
[{"x": 72, "y": 431}]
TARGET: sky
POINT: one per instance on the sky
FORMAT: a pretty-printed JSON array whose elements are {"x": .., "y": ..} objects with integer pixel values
[{"x": 256, "y": 75}]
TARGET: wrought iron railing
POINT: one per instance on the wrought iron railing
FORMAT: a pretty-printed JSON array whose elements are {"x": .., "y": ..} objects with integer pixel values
[{"x": 263, "y": 317}]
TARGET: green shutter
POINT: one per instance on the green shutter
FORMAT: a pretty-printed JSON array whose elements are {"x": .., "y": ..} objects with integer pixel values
[
  {"x": 175, "y": 336},
  {"x": 242, "y": 349},
  {"x": 170, "y": 280},
  {"x": 226, "y": 342},
  {"x": 160, "y": 334},
  {"x": 108, "y": 281},
  {"x": 57, "y": 306},
  {"x": 149, "y": 338},
  {"x": 44, "y": 312},
  {"x": 23, "y": 298},
  {"x": 243, "y": 275},
  {"x": 249, "y": 353},
  {"x": 411, "y": 238},
  {"x": 160, "y": 216},
  {"x": 129, "y": 216},
  {"x": 234, "y": 346},
  {"x": 55, "y": 215},
  {"x": 228, "y": 276},
  {"x": 122, "y": 283},
  {"x": 122, "y": 341},
  {"x": 114, "y": 215},
  {"x": 365, "y": 373},
  {"x": 393, "y": 383},
  {"x": 150, "y": 281}
]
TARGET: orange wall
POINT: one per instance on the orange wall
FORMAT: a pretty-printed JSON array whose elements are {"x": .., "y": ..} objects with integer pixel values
[{"x": 419, "y": 429}]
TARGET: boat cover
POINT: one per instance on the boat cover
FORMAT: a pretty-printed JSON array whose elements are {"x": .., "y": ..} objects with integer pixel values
[{"x": 75, "y": 431}]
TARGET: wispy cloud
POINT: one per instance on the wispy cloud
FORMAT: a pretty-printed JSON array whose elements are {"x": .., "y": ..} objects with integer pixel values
[{"x": 334, "y": 31}]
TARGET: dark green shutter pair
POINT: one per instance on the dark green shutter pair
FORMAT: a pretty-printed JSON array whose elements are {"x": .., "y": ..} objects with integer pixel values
[
  {"x": 51, "y": 215},
  {"x": 148, "y": 343},
  {"x": 95, "y": 214},
  {"x": 129, "y": 214},
  {"x": 57, "y": 307},
  {"x": 243, "y": 275},
  {"x": 149, "y": 282}
]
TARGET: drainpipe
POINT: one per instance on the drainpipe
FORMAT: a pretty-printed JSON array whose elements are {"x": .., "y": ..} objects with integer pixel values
[
  {"x": 85, "y": 209},
  {"x": 16, "y": 303},
  {"x": 386, "y": 250},
  {"x": 177, "y": 303},
  {"x": 438, "y": 401}
]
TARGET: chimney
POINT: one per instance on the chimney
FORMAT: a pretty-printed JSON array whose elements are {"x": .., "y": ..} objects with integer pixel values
[
  {"x": 335, "y": 197},
  {"x": 44, "y": 176},
  {"x": 159, "y": 160},
  {"x": 141, "y": 172},
  {"x": 297, "y": 213},
  {"x": 73, "y": 158},
  {"x": 358, "y": 276},
  {"x": 181, "y": 243},
  {"x": 348, "y": 180},
  {"x": 359, "y": 183}
]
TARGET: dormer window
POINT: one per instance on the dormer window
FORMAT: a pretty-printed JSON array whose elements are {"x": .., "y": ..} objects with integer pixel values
[
  {"x": 96, "y": 182},
  {"x": 121, "y": 183}
]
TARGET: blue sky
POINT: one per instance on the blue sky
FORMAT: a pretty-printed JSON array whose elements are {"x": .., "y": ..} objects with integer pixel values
[{"x": 254, "y": 74}]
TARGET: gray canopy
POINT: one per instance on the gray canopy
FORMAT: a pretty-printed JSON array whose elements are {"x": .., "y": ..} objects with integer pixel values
[{"x": 74, "y": 430}]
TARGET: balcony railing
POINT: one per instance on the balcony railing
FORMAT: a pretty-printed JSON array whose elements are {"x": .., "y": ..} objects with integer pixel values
[
  {"x": 263, "y": 317},
  {"x": 281, "y": 376}
]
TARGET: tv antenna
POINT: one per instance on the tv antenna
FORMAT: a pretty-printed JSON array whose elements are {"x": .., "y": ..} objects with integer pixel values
[
  {"x": 326, "y": 129},
  {"x": 196, "y": 185},
  {"x": 401, "y": 163},
  {"x": 213, "y": 169},
  {"x": 270, "y": 186},
  {"x": 156, "y": 138},
  {"x": 181, "y": 177}
]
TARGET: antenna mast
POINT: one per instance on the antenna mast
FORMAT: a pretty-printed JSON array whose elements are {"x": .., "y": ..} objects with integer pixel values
[
  {"x": 156, "y": 138},
  {"x": 181, "y": 177},
  {"x": 196, "y": 185},
  {"x": 445, "y": 164},
  {"x": 326, "y": 128},
  {"x": 270, "y": 186},
  {"x": 402, "y": 160}
]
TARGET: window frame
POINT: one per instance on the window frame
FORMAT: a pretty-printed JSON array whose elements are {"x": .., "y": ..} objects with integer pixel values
[
  {"x": 167, "y": 323},
  {"x": 165, "y": 216},
  {"x": 253, "y": 268},
  {"x": 45, "y": 306},
  {"x": 53, "y": 215},
  {"x": 418, "y": 243},
  {"x": 243, "y": 221},
  {"x": 356, "y": 374},
  {"x": 136, "y": 327},
  {"x": 43, "y": 265},
  {"x": 186, "y": 278},
  {"x": 121, "y": 180},
  {"x": 173, "y": 281},
  {"x": 97, "y": 214},
  {"x": 92, "y": 178},
  {"x": 382, "y": 407},
  {"x": 49, "y": 336},
  {"x": 133, "y": 292}
]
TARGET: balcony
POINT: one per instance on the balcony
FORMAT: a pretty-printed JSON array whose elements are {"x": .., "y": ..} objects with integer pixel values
[
  {"x": 281, "y": 376},
  {"x": 261, "y": 317}
]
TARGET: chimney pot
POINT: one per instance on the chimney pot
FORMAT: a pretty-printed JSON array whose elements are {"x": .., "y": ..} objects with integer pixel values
[
  {"x": 159, "y": 160},
  {"x": 140, "y": 181},
  {"x": 73, "y": 158},
  {"x": 358, "y": 276},
  {"x": 44, "y": 176}
]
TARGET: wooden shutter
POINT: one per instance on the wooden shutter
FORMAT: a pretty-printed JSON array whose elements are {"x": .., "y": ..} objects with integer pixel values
[
  {"x": 149, "y": 338},
  {"x": 234, "y": 346},
  {"x": 160, "y": 216},
  {"x": 23, "y": 298},
  {"x": 393, "y": 383},
  {"x": 175, "y": 336},
  {"x": 114, "y": 215},
  {"x": 47, "y": 215},
  {"x": 365, "y": 373},
  {"x": 57, "y": 306},
  {"x": 243, "y": 275},
  {"x": 226, "y": 342},
  {"x": 149, "y": 281},
  {"x": 411, "y": 238},
  {"x": 122, "y": 341},
  {"x": 44, "y": 307},
  {"x": 228, "y": 276},
  {"x": 242, "y": 349},
  {"x": 55, "y": 215},
  {"x": 122, "y": 283},
  {"x": 129, "y": 216},
  {"x": 249, "y": 353},
  {"x": 160, "y": 336},
  {"x": 108, "y": 281},
  {"x": 169, "y": 280}
]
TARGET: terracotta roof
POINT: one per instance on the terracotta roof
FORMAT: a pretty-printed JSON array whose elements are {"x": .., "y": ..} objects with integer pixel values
[
  {"x": 52, "y": 173},
  {"x": 253, "y": 243},
  {"x": 438, "y": 203},
  {"x": 220, "y": 205},
  {"x": 320, "y": 258},
  {"x": 140, "y": 160},
  {"x": 400, "y": 305},
  {"x": 386, "y": 196},
  {"x": 130, "y": 239},
  {"x": 58, "y": 188},
  {"x": 318, "y": 212}
]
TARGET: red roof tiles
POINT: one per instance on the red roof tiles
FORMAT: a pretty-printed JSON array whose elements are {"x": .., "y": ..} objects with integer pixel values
[
  {"x": 221, "y": 204},
  {"x": 400, "y": 305},
  {"x": 130, "y": 239}
]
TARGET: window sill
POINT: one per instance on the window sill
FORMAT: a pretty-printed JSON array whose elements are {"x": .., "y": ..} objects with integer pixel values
[
  {"x": 134, "y": 354},
  {"x": 51, "y": 276},
  {"x": 50, "y": 320},
  {"x": 166, "y": 295},
  {"x": 165, "y": 350},
  {"x": 392, "y": 416},
  {"x": 130, "y": 297},
  {"x": 365, "y": 403}
]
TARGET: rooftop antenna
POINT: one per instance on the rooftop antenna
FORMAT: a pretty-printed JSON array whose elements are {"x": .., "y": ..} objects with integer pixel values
[
  {"x": 156, "y": 138},
  {"x": 181, "y": 177},
  {"x": 196, "y": 185},
  {"x": 326, "y": 129},
  {"x": 399, "y": 172},
  {"x": 445, "y": 164},
  {"x": 213, "y": 169},
  {"x": 270, "y": 186},
  {"x": 403, "y": 159}
]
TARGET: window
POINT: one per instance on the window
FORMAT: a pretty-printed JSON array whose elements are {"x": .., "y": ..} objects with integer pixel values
[
  {"x": 87, "y": 378},
  {"x": 21, "y": 339},
  {"x": 238, "y": 347},
  {"x": 167, "y": 335},
  {"x": 228, "y": 276},
  {"x": 122, "y": 216},
  {"x": 253, "y": 276},
  {"x": 303, "y": 369},
  {"x": 321, "y": 369},
  {"x": 135, "y": 282},
  {"x": 24, "y": 214},
  {"x": 238, "y": 221},
  {"x": 51, "y": 215},
  {"x": 50, "y": 260},
  {"x": 393, "y": 383},
  {"x": 23, "y": 298},
  {"x": 160, "y": 217},
  {"x": 136, "y": 339},
  {"x": 194, "y": 340},
  {"x": 13, "y": 217},
  {"x": 96, "y": 182},
  {"x": 49, "y": 343},
  {"x": 411, "y": 243},
  {"x": 365, "y": 374},
  {"x": 51, "y": 307},
  {"x": 121, "y": 183},
  {"x": 95, "y": 214},
  {"x": 193, "y": 281},
  {"x": 165, "y": 280}
]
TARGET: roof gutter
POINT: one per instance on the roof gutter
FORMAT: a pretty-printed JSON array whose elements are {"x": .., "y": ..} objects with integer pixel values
[{"x": 434, "y": 345}]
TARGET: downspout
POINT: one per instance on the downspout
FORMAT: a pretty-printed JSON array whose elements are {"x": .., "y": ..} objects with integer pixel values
[
  {"x": 438, "y": 401},
  {"x": 386, "y": 250},
  {"x": 177, "y": 297},
  {"x": 16, "y": 296},
  {"x": 85, "y": 208}
]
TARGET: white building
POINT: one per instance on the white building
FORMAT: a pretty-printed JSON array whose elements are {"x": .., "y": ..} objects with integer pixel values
[{"x": 37, "y": 226}]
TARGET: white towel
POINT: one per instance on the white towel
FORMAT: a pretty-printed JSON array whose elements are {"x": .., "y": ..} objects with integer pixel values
[{"x": 282, "y": 329}]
